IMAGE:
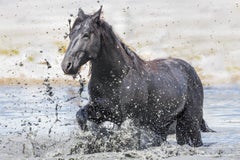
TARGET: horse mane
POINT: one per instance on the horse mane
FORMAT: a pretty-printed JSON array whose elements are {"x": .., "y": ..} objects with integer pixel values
[{"x": 109, "y": 35}]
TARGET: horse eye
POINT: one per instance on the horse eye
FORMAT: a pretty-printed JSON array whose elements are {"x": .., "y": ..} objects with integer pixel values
[{"x": 85, "y": 35}]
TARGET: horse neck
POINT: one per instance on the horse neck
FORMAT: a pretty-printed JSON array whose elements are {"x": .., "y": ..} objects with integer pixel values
[{"x": 112, "y": 60}]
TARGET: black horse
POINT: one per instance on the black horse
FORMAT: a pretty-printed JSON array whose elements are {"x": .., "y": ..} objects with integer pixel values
[{"x": 153, "y": 94}]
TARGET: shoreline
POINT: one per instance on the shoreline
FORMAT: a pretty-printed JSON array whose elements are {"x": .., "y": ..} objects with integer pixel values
[
  {"x": 34, "y": 81},
  {"x": 17, "y": 81}
]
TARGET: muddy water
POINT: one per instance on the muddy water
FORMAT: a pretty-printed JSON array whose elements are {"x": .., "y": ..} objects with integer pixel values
[{"x": 39, "y": 122}]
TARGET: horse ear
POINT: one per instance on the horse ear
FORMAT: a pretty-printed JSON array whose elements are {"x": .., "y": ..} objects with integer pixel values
[
  {"x": 81, "y": 14},
  {"x": 97, "y": 16}
]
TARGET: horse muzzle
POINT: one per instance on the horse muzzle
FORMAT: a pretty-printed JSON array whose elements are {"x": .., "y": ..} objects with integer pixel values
[
  {"x": 70, "y": 65},
  {"x": 68, "y": 68}
]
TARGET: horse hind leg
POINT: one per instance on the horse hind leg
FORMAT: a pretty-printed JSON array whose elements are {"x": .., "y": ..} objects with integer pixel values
[
  {"x": 189, "y": 121},
  {"x": 181, "y": 131},
  {"x": 195, "y": 134},
  {"x": 188, "y": 129}
]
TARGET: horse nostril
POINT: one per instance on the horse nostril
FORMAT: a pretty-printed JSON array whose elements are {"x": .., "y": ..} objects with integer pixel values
[{"x": 69, "y": 66}]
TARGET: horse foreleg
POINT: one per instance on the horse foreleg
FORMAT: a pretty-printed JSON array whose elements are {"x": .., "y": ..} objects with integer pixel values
[
  {"x": 89, "y": 112},
  {"x": 98, "y": 111},
  {"x": 82, "y": 117}
]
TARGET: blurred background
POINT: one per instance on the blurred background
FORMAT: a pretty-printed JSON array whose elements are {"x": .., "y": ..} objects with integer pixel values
[{"x": 206, "y": 33}]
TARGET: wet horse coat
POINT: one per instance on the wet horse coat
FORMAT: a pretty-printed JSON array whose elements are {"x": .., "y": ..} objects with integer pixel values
[{"x": 152, "y": 93}]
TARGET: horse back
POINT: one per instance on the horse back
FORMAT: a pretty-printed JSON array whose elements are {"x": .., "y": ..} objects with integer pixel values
[
  {"x": 168, "y": 74},
  {"x": 169, "y": 81}
]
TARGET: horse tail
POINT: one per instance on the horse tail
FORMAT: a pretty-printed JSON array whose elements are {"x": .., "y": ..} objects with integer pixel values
[{"x": 204, "y": 127}]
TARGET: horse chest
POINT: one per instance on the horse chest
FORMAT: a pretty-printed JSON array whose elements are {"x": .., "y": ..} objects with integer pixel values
[{"x": 105, "y": 90}]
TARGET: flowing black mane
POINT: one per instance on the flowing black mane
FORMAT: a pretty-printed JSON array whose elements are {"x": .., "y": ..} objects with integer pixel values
[{"x": 109, "y": 35}]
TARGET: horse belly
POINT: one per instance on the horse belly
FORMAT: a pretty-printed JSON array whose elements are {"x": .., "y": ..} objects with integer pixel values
[
  {"x": 166, "y": 101},
  {"x": 166, "y": 108}
]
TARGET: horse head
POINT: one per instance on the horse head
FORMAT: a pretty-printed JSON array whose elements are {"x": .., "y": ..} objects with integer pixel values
[{"x": 85, "y": 41}]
